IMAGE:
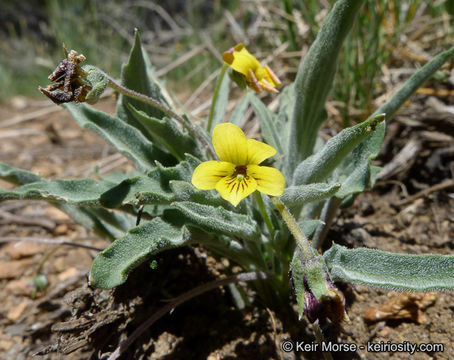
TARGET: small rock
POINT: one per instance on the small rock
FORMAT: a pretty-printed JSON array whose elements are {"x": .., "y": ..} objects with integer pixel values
[
  {"x": 16, "y": 311},
  {"x": 61, "y": 229},
  {"x": 68, "y": 274},
  {"x": 13, "y": 269},
  {"x": 24, "y": 249},
  {"x": 20, "y": 287}
]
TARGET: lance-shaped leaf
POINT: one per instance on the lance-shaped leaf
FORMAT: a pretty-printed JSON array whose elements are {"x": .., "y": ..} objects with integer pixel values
[
  {"x": 102, "y": 222},
  {"x": 17, "y": 176},
  {"x": 319, "y": 166},
  {"x": 355, "y": 172},
  {"x": 123, "y": 137},
  {"x": 83, "y": 192},
  {"x": 219, "y": 109},
  {"x": 112, "y": 266},
  {"x": 239, "y": 112},
  {"x": 167, "y": 134},
  {"x": 153, "y": 188},
  {"x": 413, "y": 83},
  {"x": 185, "y": 191},
  {"x": 218, "y": 220},
  {"x": 315, "y": 78},
  {"x": 267, "y": 121},
  {"x": 134, "y": 76},
  {"x": 389, "y": 270},
  {"x": 303, "y": 194}
]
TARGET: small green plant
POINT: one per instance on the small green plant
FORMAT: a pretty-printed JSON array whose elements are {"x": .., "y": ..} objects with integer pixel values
[{"x": 178, "y": 168}]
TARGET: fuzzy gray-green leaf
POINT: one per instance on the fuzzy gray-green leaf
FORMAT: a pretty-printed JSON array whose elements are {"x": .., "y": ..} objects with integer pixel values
[
  {"x": 315, "y": 78},
  {"x": 123, "y": 137},
  {"x": 84, "y": 192},
  {"x": 134, "y": 76},
  {"x": 112, "y": 266},
  {"x": 303, "y": 194},
  {"x": 267, "y": 121},
  {"x": 152, "y": 189},
  {"x": 102, "y": 222},
  {"x": 218, "y": 219},
  {"x": 167, "y": 134},
  {"x": 412, "y": 84},
  {"x": 17, "y": 176},
  {"x": 389, "y": 270},
  {"x": 320, "y": 165},
  {"x": 239, "y": 112}
]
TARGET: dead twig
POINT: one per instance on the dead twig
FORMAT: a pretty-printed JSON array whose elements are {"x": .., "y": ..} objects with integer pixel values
[
  {"x": 444, "y": 185},
  {"x": 182, "y": 299},
  {"x": 402, "y": 161},
  {"x": 23, "y": 220},
  {"x": 5, "y": 239}
]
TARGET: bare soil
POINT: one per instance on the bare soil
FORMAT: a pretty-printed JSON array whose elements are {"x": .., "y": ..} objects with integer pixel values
[{"x": 73, "y": 321}]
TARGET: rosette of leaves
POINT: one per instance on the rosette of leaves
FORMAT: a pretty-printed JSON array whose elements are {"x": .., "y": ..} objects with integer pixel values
[{"x": 320, "y": 177}]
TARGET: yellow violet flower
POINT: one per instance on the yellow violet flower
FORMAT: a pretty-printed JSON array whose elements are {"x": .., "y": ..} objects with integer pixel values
[
  {"x": 238, "y": 173},
  {"x": 258, "y": 78}
]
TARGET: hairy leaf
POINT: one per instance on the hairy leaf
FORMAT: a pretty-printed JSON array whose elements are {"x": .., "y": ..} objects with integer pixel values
[
  {"x": 315, "y": 78},
  {"x": 84, "y": 192},
  {"x": 152, "y": 189},
  {"x": 112, "y": 266},
  {"x": 218, "y": 220},
  {"x": 102, "y": 222},
  {"x": 267, "y": 121},
  {"x": 239, "y": 112},
  {"x": 303, "y": 194},
  {"x": 167, "y": 134},
  {"x": 388, "y": 270},
  {"x": 319, "y": 166},
  {"x": 124, "y": 138},
  {"x": 134, "y": 76}
]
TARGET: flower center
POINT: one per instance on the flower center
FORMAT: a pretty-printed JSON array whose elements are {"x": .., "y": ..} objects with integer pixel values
[{"x": 240, "y": 172}]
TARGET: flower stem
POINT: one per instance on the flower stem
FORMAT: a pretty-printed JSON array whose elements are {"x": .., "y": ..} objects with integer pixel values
[
  {"x": 215, "y": 97},
  {"x": 301, "y": 240},
  {"x": 148, "y": 100},
  {"x": 264, "y": 214}
]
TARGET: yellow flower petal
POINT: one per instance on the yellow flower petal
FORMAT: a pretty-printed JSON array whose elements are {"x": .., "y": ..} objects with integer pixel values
[
  {"x": 269, "y": 180},
  {"x": 234, "y": 190},
  {"x": 230, "y": 143},
  {"x": 208, "y": 174},
  {"x": 240, "y": 60},
  {"x": 258, "y": 151}
]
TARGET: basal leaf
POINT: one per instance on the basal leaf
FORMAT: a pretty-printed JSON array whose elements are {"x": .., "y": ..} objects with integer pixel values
[
  {"x": 17, "y": 176},
  {"x": 239, "y": 112},
  {"x": 112, "y": 266},
  {"x": 102, "y": 222},
  {"x": 134, "y": 76},
  {"x": 389, "y": 270},
  {"x": 303, "y": 194},
  {"x": 153, "y": 188},
  {"x": 167, "y": 134},
  {"x": 315, "y": 78},
  {"x": 218, "y": 220},
  {"x": 123, "y": 137},
  {"x": 267, "y": 121},
  {"x": 84, "y": 192},
  {"x": 319, "y": 166}
]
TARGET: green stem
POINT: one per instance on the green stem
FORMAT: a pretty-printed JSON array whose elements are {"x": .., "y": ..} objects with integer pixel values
[
  {"x": 148, "y": 100},
  {"x": 215, "y": 97},
  {"x": 264, "y": 214},
  {"x": 301, "y": 240}
]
